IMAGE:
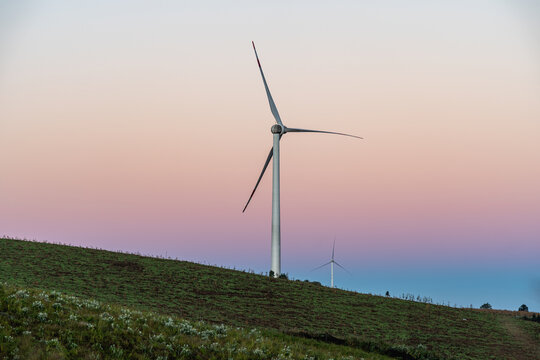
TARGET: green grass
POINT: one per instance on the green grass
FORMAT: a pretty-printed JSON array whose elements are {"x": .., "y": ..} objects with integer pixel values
[
  {"x": 43, "y": 324},
  {"x": 220, "y": 296}
]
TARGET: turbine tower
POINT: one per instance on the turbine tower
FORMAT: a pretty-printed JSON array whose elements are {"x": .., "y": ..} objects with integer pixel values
[
  {"x": 278, "y": 130},
  {"x": 332, "y": 262}
]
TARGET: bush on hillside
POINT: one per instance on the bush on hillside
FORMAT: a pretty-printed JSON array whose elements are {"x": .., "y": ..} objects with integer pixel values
[
  {"x": 486, "y": 306},
  {"x": 534, "y": 317},
  {"x": 523, "y": 308}
]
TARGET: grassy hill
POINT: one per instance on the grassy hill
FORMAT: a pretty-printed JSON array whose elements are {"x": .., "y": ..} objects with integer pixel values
[
  {"x": 305, "y": 310},
  {"x": 48, "y": 324}
]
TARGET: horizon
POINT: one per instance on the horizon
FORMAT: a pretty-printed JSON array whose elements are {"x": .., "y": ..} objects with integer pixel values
[
  {"x": 404, "y": 295},
  {"x": 143, "y": 128}
]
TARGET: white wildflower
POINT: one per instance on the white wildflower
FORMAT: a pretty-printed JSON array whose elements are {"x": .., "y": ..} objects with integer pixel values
[
  {"x": 8, "y": 338},
  {"x": 208, "y": 334},
  {"x": 285, "y": 352},
  {"x": 125, "y": 316},
  {"x": 186, "y": 328},
  {"x": 221, "y": 330},
  {"x": 22, "y": 294},
  {"x": 37, "y": 304},
  {"x": 185, "y": 350},
  {"x": 53, "y": 342},
  {"x": 92, "y": 304},
  {"x": 169, "y": 322},
  {"x": 106, "y": 316},
  {"x": 42, "y": 316},
  {"x": 158, "y": 337},
  {"x": 43, "y": 295}
]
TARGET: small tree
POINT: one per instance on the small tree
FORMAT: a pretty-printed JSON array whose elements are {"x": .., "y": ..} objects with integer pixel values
[
  {"x": 523, "y": 308},
  {"x": 388, "y": 293},
  {"x": 271, "y": 273},
  {"x": 486, "y": 306}
]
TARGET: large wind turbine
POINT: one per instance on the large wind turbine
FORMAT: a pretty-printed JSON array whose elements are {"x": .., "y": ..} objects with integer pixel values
[
  {"x": 278, "y": 130},
  {"x": 332, "y": 262}
]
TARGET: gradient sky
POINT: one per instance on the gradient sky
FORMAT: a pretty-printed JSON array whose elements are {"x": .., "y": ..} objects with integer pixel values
[{"x": 143, "y": 127}]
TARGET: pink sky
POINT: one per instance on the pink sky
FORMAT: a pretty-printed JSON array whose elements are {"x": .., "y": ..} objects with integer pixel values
[{"x": 144, "y": 129}]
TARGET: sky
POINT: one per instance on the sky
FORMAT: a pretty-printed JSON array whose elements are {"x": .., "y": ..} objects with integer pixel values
[{"x": 142, "y": 127}]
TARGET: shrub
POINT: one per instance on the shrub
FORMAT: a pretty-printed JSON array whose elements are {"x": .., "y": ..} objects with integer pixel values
[
  {"x": 486, "y": 306},
  {"x": 535, "y": 318},
  {"x": 523, "y": 308}
]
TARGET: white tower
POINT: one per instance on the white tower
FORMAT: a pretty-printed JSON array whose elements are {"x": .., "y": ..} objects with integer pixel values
[{"x": 276, "y": 217}]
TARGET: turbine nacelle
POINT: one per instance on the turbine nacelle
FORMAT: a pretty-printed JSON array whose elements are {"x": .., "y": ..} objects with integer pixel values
[{"x": 277, "y": 129}]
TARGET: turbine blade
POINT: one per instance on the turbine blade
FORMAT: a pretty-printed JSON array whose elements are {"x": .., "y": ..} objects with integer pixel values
[
  {"x": 319, "y": 131},
  {"x": 273, "y": 107},
  {"x": 268, "y": 158},
  {"x": 333, "y": 246},
  {"x": 323, "y": 265},
  {"x": 335, "y": 262}
]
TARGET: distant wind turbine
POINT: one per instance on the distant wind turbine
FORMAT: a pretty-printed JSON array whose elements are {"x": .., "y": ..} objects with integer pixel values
[
  {"x": 332, "y": 262},
  {"x": 278, "y": 130}
]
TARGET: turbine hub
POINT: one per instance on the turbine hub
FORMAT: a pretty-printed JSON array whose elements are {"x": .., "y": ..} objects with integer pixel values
[{"x": 276, "y": 129}]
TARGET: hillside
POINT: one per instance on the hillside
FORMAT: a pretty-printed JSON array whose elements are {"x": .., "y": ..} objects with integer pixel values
[
  {"x": 220, "y": 296},
  {"x": 48, "y": 324}
]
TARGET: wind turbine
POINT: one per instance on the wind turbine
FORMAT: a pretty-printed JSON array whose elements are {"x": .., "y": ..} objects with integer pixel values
[
  {"x": 332, "y": 262},
  {"x": 278, "y": 130}
]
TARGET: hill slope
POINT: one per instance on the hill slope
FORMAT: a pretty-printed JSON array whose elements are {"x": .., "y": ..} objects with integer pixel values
[
  {"x": 48, "y": 324},
  {"x": 199, "y": 292}
]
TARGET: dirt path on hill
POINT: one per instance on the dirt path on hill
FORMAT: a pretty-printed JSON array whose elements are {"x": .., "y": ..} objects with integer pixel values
[{"x": 529, "y": 345}]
